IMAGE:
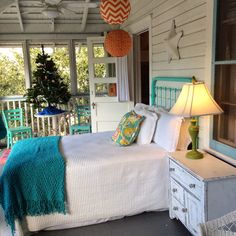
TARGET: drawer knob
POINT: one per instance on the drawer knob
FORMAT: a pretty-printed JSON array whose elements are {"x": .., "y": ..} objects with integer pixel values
[
  {"x": 174, "y": 190},
  {"x": 175, "y": 208},
  {"x": 184, "y": 210},
  {"x": 192, "y": 185},
  {"x": 172, "y": 169}
]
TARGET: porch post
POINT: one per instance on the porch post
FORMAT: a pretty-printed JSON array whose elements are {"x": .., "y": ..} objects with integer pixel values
[
  {"x": 73, "y": 72},
  {"x": 27, "y": 65}
]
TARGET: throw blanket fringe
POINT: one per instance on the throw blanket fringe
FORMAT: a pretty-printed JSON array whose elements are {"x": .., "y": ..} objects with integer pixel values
[{"x": 32, "y": 182}]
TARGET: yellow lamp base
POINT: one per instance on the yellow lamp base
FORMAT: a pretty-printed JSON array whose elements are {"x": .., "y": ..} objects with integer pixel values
[{"x": 194, "y": 154}]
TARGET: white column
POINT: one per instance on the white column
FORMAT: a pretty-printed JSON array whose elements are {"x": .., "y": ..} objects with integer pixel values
[
  {"x": 27, "y": 65},
  {"x": 73, "y": 72}
]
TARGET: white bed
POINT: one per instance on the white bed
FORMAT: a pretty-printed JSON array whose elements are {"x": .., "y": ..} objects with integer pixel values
[{"x": 105, "y": 181}]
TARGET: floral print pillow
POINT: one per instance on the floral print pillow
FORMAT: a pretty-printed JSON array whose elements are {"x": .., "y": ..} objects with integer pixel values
[{"x": 128, "y": 129}]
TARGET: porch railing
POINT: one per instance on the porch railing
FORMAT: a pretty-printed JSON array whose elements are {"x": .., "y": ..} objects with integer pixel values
[{"x": 44, "y": 126}]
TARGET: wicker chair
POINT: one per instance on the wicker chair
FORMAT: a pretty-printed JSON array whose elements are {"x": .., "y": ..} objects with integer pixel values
[{"x": 223, "y": 226}]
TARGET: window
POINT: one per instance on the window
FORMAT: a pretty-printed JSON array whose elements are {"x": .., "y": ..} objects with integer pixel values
[
  {"x": 12, "y": 77},
  {"x": 60, "y": 56},
  {"x": 224, "y": 126}
]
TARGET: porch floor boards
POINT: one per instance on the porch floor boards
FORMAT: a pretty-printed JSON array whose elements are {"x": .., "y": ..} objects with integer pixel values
[{"x": 146, "y": 224}]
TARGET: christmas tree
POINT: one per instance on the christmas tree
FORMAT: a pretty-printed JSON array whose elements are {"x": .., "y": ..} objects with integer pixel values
[{"x": 48, "y": 87}]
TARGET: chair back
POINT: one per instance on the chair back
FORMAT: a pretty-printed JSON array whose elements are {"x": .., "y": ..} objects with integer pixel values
[
  {"x": 84, "y": 114},
  {"x": 12, "y": 117}
]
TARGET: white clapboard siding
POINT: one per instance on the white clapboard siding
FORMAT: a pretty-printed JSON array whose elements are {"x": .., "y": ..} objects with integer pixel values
[
  {"x": 186, "y": 41},
  {"x": 188, "y": 26},
  {"x": 190, "y": 17},
  {"x": 186, "y": 52},
  {"x": 188, "y": 7},
  {"x": 141, "y": 8},
  {"x": 188, "y": 63},
  {"x": 199, "y": 73}
]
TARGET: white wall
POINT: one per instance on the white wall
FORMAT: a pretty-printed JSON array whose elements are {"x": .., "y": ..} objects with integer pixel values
[{"x": 194, "y": 18}]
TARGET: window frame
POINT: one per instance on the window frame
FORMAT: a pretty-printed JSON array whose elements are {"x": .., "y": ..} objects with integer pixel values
[{"x": 216, "y": 145}]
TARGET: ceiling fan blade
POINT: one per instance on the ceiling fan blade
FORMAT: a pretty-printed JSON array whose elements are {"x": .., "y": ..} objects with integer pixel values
[
  {"x": 4, "y": 4},
  {"x": 65, "y": 9},
  {"x": 80, "y": 5},
  {"x": 28, "y": 12}
]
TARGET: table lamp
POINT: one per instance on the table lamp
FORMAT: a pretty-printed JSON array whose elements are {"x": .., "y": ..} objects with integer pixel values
[{"x": 195, "y": 100}]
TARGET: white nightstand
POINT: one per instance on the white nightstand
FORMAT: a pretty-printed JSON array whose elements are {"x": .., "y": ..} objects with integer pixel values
[{"x": 200, "y": 190}]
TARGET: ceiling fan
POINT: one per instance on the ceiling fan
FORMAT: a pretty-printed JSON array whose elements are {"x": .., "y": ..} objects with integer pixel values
[{"x": 53, "y": 8}]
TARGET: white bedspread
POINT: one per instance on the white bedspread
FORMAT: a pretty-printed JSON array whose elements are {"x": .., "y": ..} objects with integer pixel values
[{"x": 105, "y": 181}]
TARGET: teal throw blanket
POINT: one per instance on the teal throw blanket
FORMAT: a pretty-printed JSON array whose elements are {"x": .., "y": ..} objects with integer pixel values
[{"x": 32, "y": 182}]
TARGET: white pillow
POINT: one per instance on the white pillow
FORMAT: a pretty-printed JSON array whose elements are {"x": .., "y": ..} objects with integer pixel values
[
  {"x": 140, "y": 106},
  {"x": 167, "y": 131},
  {"x": 147, "y": 127}
]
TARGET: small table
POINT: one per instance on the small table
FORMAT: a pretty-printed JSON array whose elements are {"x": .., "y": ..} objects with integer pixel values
[
  {"x": 54, "y": 120},
  {"x": 200, "y": 190}
]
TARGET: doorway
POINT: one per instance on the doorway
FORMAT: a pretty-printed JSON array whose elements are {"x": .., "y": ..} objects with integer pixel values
[{"x": 141, "y": 67}]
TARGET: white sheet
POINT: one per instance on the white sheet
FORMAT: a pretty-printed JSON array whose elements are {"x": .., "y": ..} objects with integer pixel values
[{"x": 105, "y": 181}]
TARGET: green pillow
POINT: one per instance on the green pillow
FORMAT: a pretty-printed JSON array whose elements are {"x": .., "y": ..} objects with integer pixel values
[{"x": 128, "y": 129}]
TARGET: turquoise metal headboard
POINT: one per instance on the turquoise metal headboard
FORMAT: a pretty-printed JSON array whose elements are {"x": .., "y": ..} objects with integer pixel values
[{"x": 165, "y": 90}]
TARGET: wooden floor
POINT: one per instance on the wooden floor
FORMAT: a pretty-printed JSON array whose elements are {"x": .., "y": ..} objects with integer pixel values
[{"x": 147, "y": 224}]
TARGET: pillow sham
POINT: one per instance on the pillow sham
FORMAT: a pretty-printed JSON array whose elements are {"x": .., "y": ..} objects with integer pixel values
[
  {"x": 167, "y": 131},
  {"x": 128, "y": 129},
  {"x": 148, "y": 126}
]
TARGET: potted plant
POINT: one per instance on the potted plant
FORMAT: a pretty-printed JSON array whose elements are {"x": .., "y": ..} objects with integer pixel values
[{"x": 48, "y": 87}]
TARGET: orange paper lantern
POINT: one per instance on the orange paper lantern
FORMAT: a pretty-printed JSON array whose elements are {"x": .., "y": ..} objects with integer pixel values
[
  {"x": 115, "y": 12},
  {"x": 118, "y": 43}
]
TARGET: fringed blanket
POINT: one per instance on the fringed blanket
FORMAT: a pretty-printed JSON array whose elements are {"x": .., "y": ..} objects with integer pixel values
[{"x": 32, "y": 182}]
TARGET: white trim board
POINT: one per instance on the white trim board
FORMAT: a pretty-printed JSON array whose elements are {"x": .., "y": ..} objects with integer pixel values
[{"x": 38, "y": 37}]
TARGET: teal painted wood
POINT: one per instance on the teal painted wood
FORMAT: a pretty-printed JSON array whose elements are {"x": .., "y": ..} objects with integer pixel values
[
  {"x": 14, "y": 124},
  {"x": 157, "y": 96},
  {"x": 224, "y": 149},
  {"x": 3, "y": 131},
  {"x": 83, "y": 113},
  {"x": 162, "y": 94},
  {"x": 219, "y": 147}
]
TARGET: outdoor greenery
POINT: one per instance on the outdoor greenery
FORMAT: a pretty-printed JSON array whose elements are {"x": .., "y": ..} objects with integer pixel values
[
  {"x": 82, "y": 69},
  {"x": 12, "y": 78}
]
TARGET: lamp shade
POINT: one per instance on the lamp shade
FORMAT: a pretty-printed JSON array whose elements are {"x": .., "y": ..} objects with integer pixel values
[
  {"x": 195, "y": 100},
  {"x": 118, "y": 43},
  {"x": 115, "y": 12}
]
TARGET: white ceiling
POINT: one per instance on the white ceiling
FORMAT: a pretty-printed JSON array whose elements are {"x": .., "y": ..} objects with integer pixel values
[{"x": 25, "y": 16}]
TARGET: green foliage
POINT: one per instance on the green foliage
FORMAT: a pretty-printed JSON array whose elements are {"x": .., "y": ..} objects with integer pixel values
[
  {"x": 12, "y": 78},
  {"x": 48, "y": 86},
  {"x": 82, "y": 70}
]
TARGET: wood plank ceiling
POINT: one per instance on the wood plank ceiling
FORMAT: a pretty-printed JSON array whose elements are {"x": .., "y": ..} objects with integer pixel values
[{"x": 28, "y": 16}]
